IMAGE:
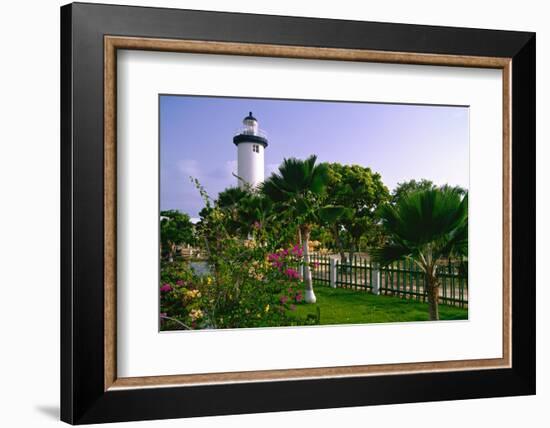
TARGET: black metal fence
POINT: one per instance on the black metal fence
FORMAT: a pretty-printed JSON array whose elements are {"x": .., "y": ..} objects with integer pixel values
[{"x": 402, "y": 279}]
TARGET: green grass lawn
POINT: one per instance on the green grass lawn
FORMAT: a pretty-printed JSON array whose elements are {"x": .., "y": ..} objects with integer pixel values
[{"x": 342, "y": 306}]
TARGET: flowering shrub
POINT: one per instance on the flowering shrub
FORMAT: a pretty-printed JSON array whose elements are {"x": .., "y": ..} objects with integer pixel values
[
  {"x": 250, "y": 288},
  {"x": 250, "y": 284},
  {"x": 287, "y": 263},
  {"x": 181, "y": 300}
]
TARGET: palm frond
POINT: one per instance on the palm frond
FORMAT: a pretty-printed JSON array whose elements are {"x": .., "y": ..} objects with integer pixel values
[
  {"x": 296, "y": 177},
  {"x": 425, "y": 216},
  {"x": 389, "y": 254},
  {"x": 319, "y": 178},
  {"x": 457, "y": 244},
  {"x": 426, "y": 226}
]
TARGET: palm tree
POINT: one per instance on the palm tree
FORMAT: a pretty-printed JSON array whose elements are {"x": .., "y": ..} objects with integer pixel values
[
  {"x": 426, "y": 226},
  {"x": 254, "y": 212},
  {"x": 231, "y": 196},
  {"x": 230, "y": 201},
  {"x": 298, "y": 188}
]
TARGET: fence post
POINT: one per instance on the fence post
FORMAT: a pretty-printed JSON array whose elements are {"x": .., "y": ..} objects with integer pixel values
[
  {"x": 332, "y": 271},
  {"x": 375, "y": 278}
]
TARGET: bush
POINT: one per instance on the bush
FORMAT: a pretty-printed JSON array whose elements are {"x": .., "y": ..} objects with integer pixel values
[{"x": 249, "y": 287}]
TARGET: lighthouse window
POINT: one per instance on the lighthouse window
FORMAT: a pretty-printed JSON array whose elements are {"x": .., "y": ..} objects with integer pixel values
[{"x": 255, "y": 148}]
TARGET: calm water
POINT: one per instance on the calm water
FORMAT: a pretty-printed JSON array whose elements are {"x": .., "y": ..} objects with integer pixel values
[{"x": 201, "y": 268}]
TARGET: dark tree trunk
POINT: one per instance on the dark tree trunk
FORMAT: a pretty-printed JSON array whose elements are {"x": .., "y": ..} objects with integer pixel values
[
  {"x": 339, "y": 244},
  {"x": 171, "y": 252},
  {"x": 343, "y": 258},
  {"x": 352, "y": 252}
]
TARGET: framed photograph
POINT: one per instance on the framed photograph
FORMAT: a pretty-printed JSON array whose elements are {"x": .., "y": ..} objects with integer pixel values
[{"x": 265, "y": 213}]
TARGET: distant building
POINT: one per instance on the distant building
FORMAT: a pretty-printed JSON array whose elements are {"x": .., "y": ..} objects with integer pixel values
[{"x": 251, "y": 142}]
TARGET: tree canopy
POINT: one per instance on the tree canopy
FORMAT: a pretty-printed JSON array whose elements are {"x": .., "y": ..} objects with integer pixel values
[
  {"x": 175, "y": 229},
  {"x": 425, "y": 226},
  {"x": 407, "y": 187},
  {"x": 299, "y": 188},
  {"x": 361, "y": 191}
]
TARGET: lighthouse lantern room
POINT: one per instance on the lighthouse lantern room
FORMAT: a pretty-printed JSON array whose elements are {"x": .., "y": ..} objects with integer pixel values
[{"x": 251, "y": 142}]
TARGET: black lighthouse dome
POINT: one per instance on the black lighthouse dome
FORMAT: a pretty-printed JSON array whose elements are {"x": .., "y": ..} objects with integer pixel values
[
  {"x": 250, "y": 117},
  {"x": 250, "y": 132}
]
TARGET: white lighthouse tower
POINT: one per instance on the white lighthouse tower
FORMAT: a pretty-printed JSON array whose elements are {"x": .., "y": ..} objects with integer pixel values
[{"x": 251, "y": 143}]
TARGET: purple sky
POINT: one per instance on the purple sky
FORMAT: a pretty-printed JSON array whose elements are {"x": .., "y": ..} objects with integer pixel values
[{"x": 401, "y": 142}]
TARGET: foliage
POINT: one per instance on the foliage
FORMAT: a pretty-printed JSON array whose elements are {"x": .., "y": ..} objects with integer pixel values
[
  {"x": 361, "y": 191},
  {"x": 181, "y": 301},
  {"x": 250, "y": 284},
  {"x": 175, "y": 229},
  {"x": 255, "y": 212},
  {"x": 257, "y": 242},
  {"x": 298, "y": 190},
  {"x": 242, "y": 292},
  {"x": 407, "y": 187},
  {"x": 231, "y": 197},
  {"x": 425, "y": 226},
  {"x": 230, "y": 201}
]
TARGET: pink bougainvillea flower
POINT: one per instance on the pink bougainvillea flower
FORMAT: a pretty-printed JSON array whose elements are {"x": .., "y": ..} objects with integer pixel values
[
  {"x": 166, "y": 288},
  {"x": 276, "y": 264},
  {"x": 292, "y": 273},
  {"x": 297, "y": 250},
  {"x": 292, "y": 307},
  {"x": 298, "y": 297},
  {"x": 179, "y": 282},
  {"x": 283, "y": 299}
]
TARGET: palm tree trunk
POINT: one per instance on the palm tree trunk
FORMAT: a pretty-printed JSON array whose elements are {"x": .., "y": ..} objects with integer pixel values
[
  {"x": 301, "y": 267},
  {"x": 433, "y": 298},
  {"x": 310, "y": 295}
]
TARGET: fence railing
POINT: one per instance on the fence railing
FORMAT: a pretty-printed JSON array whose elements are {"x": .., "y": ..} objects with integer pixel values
[{"x": 402, "y": 279}]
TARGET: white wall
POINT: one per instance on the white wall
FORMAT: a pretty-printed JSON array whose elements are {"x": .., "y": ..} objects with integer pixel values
[
  {"x": 29, "y": 164},
  {"x": 250, "y": 164}
]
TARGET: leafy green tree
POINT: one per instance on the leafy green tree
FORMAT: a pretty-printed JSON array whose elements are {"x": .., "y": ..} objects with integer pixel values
[
  {"x": 459, "y": 189},
  {"x": 410, "y": 186},
  {"x": 361, "y": 191},
  {"x": 175, "y": 229},
  {"x": 425, "y": 226},
  {"x": 298, "y": 190},
  {"x": 407, "y": 187}
]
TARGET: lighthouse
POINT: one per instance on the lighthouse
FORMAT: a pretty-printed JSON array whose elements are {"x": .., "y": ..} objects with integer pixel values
[{"x": 251, "y": 142}]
